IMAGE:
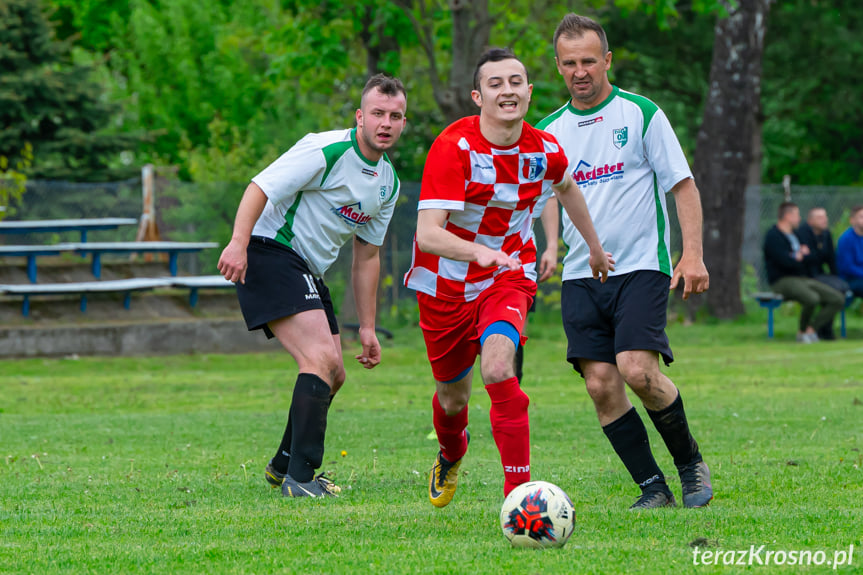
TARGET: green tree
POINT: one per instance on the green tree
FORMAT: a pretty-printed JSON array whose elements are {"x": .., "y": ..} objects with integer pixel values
[{"x": 51, "y": 103}]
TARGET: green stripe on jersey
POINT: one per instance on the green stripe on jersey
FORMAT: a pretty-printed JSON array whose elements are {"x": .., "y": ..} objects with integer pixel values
[
  {"x": 332, "y": 153},
  {"x": 661, "y": 248},
  {"x": 396, "y": 182},
  {"x": 648, "y": 108},
  {"x": 286, "y": 234},
  {"x": 357, "y": 149},
  {"x": 543, "y": 124}
]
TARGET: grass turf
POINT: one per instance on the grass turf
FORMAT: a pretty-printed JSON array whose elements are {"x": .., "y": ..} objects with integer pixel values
[{"x": 154, "y": 465}]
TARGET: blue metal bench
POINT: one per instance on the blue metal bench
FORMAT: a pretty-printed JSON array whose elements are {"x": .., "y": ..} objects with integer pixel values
[
  {"x": 82, "y": 225},
  {"x": 771, "y": 301},
  {"x": 173, "y": 249},
  {"x": 83, "y": 289},
  {"x": 195, "y": 283}
]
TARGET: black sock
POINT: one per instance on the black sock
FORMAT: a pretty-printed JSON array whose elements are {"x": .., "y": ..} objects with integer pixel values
[
  {"x": 672, "y": 426},
  {"x": 519, "y": 362},
  {"x": 282, "y": 457},
  {"x": 628, "y": 436},
  {"x": 309, "y": 426}
]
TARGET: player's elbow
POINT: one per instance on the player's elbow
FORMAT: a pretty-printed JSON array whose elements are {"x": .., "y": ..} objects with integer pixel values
[{"x": 424, "y": 239}]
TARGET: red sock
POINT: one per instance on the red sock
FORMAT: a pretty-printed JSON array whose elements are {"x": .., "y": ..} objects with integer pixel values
[
  {"x": 510, "y": 427},
  {"x": 450, "y": 431}
]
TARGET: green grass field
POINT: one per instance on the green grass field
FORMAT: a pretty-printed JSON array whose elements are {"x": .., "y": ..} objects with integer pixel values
[{"x": 154, "y": 465}]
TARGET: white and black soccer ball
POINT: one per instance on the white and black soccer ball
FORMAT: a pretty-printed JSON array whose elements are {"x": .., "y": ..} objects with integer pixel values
[{"x": 537, "y": 514}]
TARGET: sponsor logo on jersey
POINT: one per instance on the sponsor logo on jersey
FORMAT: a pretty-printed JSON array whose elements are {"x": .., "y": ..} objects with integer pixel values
[
  {"x": 584, "y": 173},
  {"x": 370, "y": 172},
  {"x": 589, "y": 122},
  {"x": 481, "y": 167},
  {"x": 620, "y": 136},
  {"x": 353, "y": 213},
  {"x": 533, "y": 168}
]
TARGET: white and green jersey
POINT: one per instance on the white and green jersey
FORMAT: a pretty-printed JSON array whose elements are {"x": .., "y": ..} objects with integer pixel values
[
  {"x": 323, "y": 191},
  {"x": 624, "y": 156}
]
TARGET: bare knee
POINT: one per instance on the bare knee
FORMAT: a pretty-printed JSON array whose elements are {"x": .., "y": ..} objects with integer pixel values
[
  {"x": 497, "y": 362},
  {"x": 497, "y": 370},
  {"x": 603, "y": 386},
  {"x": 338, "y": 378},
  {"x": 452, "y": 401}
]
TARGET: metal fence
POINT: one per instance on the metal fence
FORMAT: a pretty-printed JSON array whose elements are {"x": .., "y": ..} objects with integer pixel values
[
  {"x": 762, "y": 204},
  {"x": 50, "y": 200}
]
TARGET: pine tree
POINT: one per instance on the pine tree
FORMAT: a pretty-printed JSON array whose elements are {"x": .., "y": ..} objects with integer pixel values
[{"x": 52, "y": 104}]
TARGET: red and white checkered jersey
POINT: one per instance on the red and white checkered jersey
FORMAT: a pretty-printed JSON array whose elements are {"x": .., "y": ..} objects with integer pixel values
[{"x": 490, "y": 193}]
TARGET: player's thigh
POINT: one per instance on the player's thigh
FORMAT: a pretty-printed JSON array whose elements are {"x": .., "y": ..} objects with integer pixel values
[
  {"x": 280, "y": 284},
  {"x": 307, "y": 337},
  {"x": 641, "y": 314},
  {"x": 449, "y": 331},
  {"x": 587, "y": 322}
]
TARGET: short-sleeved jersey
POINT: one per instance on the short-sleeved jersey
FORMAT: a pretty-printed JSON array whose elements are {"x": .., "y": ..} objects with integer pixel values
[
  {"x": 323, "y": 191},
  {"x": 624, "y": 156},
  {"x": 490, "y": 193}
]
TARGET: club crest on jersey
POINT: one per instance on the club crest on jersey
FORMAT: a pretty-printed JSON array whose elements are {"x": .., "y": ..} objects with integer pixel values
[
  {"x": 353, "y": 213},
  {"x": 383, "y": 192},
  {"x": 620, "y": 136},
  {"x": 533, "y": 168}
]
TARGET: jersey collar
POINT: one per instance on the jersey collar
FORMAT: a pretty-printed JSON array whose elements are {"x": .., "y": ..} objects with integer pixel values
[
  {"x": 590, "y": 111},
  {"x": 357, "y": 149}
]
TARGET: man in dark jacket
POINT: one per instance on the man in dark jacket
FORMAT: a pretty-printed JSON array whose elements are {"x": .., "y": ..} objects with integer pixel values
[
  {"x": 787, "y": 274},
  {"x": 821, "y": 261}
]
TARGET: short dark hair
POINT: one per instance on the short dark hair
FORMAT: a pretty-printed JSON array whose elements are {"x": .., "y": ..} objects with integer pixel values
[
  {"x": 856, "y": 209},
  {"x": 575, "y": 26},
  {"x": 784, "y": 208},
  {"x": 495, "y": 55},
  {"x": 386, "y": 85}
]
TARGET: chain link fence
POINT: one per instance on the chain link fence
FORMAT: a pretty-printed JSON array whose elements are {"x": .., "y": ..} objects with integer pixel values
[
  {"x": 205, "y": 212},
  {"x": 762, "y": 205}
]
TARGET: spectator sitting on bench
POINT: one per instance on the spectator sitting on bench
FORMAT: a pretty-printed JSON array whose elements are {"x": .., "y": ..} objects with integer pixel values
[
  {"x": 849, "y": 252},
  {"x": 787, "y": 274},
  {"x": 821, "y": 261}
]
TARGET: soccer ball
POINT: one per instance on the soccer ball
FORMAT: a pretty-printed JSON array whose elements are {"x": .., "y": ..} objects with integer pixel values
[{"x": 537, "y": 514}]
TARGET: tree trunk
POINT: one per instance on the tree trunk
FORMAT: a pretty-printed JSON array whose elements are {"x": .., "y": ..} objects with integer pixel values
[
  {"x": 377, "y": 43},
  {"x": 725, "y": 147},
  {"x": 471, "y": 30}
]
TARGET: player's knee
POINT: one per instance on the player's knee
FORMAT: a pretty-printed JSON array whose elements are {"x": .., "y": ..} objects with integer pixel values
[
  {"x": 600, "y": 390},
  {"x": 452, "y": 403},
  {"x": 339, "y": 377},
  {"x": 496, "y": 370}
]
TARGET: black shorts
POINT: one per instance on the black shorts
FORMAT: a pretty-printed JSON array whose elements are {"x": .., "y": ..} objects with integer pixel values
[
  {"x": 278, "y": 284},
  {"x": 628, "y": 312}
]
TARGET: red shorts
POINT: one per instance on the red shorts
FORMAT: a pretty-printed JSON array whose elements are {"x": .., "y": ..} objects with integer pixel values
[{"x": 452, "y": 329}]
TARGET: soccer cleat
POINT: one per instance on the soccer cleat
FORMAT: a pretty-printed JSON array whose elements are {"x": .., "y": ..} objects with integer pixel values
[
  {"x": 443, "y": 480},
  {"x": 273, "y": 477},
  {"x": 319, "y": 486},
  {"x": 653, "y": 499},
  {"x": 695, "y": 479}
]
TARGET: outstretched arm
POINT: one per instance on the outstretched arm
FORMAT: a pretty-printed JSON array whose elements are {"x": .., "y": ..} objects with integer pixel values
[
  {"x": 233, "y": 263},
  {"x": 432, "y": 238},
  {"x": 573, "y": 202},
  {"x": 691, "y": 266},
  {"x": 365, "y": 271}
]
